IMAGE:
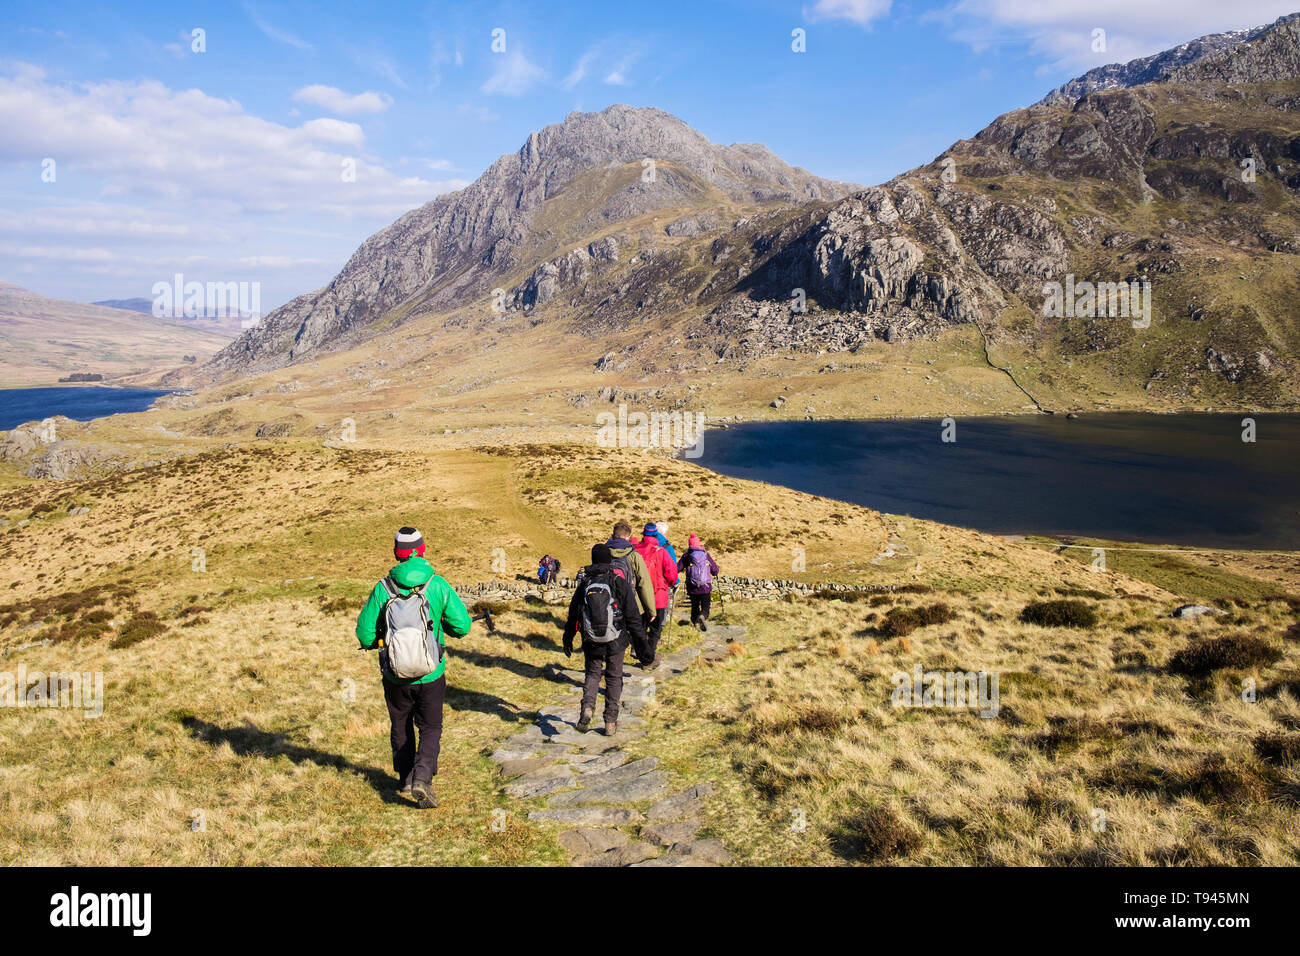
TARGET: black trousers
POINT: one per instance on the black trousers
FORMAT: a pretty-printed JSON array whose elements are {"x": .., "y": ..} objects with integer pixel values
[
  {"x": 654, "y": 629},
  {"x": 413, "y": 706},
  {"x": 700, "y": 604},
  {"x": 606, "y": 659}
]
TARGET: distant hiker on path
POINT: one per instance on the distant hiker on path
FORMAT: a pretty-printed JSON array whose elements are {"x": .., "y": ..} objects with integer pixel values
[
  {"x": 543, "y": 568},
  {"x": 554, "y": 573},
  {"x": 663, "y": 575},
  {"x": 699, "y": 569},
  {"x": 407, "y": 615},
  {"x": 604, "y": 610},
  {"x": 626, "y": 560}
]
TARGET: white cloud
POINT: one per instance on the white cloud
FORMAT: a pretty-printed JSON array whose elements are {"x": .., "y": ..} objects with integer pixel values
[
  {"x": 333, "y": 131},
  {"x": 149, "y": 178},
  {"x": 180, "y": 49},
  {"x": 139, "y": 138},
  {"x": 346, "y": 104},
  {"x": 279, "y": 36},
  {"x": 579, "y": 69},
  {"x": 609, "y": 57},
  {"x": 384, "y": 67},
  {"x": 1061, "y": 33},
  {"x": 861, "y": 12},
  {"x": 618, "y": 75},
  {"x": 58, "y": 253},
  {"x": 514, "y": 75}
]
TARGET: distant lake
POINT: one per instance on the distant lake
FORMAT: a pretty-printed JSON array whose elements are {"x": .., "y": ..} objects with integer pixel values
[
  {"x": 81, "y": 403},
  {"x": 1175, "y": 479}
]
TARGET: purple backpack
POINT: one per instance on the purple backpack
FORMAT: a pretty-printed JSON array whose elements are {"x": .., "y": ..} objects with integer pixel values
[{"x": 698, "y": 574}]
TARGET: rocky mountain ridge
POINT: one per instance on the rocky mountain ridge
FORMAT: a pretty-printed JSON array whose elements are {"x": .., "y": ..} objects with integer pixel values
[
  {"x": 457, "y": 246},
  {"x": 1158, "y": 66},
  {"x": 1124, "y": 185}
]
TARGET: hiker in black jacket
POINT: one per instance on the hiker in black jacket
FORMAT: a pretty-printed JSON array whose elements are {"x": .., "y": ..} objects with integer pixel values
[{"x": 604, "y": 592}]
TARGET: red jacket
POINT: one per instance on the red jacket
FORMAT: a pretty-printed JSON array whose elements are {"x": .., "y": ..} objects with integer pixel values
[{"x": 663, "y": 571}]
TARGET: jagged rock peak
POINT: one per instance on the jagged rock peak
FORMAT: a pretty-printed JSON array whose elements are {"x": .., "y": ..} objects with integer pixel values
[{"x": 1169, "y": 64}]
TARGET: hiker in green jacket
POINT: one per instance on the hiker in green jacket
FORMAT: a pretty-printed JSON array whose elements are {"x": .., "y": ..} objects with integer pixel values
[{"x": 408, "y": 615}]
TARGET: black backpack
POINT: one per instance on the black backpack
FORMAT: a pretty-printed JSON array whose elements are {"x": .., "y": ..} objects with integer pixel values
[
  {"x": 602, "y": 616},
  {"x": 623, "y": 563}
]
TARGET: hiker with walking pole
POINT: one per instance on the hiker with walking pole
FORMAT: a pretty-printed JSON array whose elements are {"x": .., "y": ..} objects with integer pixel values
[
  {"x": 661, "y": 535},
  {"x": 407, "y": 616},
  {"x": 663, "y": 575}
]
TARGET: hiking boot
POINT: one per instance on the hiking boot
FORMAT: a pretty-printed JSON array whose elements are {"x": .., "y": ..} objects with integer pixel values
[
  {"x": 404, "y": 788},
  {"x": 422, "y": 794},
  {"x": 611, "y": 728},
  {"x": 653, "y": 664},
  {"x": 704, "y": 626},
  {"x": 584, "y": 722}
]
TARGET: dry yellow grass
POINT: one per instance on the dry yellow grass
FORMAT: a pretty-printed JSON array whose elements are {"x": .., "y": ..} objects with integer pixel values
[
  {"x": 813, "y": 756},
  {"x": 237, "y": 708}
]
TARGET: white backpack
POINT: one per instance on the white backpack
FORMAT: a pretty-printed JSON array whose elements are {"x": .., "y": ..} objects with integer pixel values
[{"x": 411, "y": 643}]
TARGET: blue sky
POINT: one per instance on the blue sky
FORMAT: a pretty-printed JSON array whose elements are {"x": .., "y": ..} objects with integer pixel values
[{"x": 226, "y": 164}]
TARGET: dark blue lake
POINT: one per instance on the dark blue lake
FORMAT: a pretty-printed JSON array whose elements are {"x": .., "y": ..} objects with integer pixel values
[
  {"x": 1175, "y": 479},
  {"x": 81, "y": 403}
]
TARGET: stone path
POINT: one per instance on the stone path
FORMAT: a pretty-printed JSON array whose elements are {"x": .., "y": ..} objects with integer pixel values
[{"x": 614, "y": 811}]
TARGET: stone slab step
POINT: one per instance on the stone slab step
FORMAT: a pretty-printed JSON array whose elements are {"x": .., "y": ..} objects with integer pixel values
[
  {"x": 622, "y": 772},
  {"x": 666, "y": 834},
  {"x": 629, "y": 854},
  {"x": 588, "y": 816},
  {"x": 589, "y": 841},
  {"x": 595, "y": 763},
  {"x": 515, "y": 768},
  {"x": 648, "y": 786},
  {"x": 710, "y": 851},
  {"x": 671, "y": 860},
  {"x": 541, "y": 782},
  {"x": 688, "y": 803}
]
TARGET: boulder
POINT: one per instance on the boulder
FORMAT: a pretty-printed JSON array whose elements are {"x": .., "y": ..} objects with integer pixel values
[
  {"x": 589, "y": 841},
  {"x": 1194, "y": 610}
]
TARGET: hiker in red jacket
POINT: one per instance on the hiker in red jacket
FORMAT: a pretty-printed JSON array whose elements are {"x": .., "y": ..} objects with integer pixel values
[{"x": 663, "y": 575}]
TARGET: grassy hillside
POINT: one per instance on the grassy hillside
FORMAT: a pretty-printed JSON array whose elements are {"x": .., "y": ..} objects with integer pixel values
[
  {"x": 225, "y": 687},
  {"x": 48, "y": 339}
]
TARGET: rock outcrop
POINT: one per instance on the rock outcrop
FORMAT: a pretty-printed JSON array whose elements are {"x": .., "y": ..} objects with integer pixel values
[
  {"x": 38, "y": 451},
  {"x": 458, "y": 246},
  {"x": 1150, "y": 69}
]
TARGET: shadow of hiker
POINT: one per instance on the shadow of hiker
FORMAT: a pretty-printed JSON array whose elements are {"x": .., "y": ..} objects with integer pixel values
[
  {"x": 543, "y": 616},
  {"x": 535, "y": 639},
  {"x": 248, "y": 741},
  {"x": 460, "y": 699},
  {"x": 481, "y": 659}
]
